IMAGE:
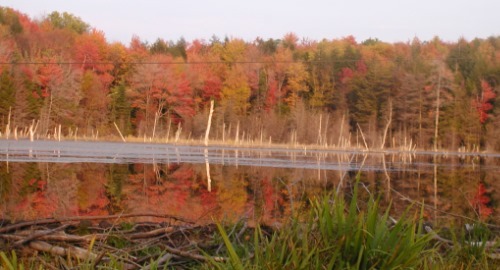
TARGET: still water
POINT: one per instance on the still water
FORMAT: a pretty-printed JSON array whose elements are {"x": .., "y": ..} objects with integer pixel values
[{"x": 61, "y": 179}]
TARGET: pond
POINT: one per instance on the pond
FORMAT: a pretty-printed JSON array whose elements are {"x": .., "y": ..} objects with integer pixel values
[{"x": 74, "y": 178}]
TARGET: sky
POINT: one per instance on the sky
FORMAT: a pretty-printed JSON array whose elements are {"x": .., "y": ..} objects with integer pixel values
[{"x": 387, "y": 20}]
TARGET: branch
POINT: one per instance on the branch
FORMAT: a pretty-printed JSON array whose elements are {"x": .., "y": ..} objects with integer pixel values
[
  {"x": 67, "y": 219},
  {"x": 76, "y": 252},
  {"x": 38, "y": 235},
  {"x": 150, "y": 233},
  {"x": 189, "y": 255}
]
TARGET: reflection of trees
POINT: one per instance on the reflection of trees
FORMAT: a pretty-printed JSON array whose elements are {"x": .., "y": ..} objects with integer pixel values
[
  {"x": 492, "y": 183},
  {"x": 117, "y": 177},
  {"x": 34, "y": 191},
  {"x": 91, "y": 192},
  {"x": 265, "y": 194},
  {"x": 5, "y": 182},
  {"x": 169, "y": 190},
  {"x": 480, "y": 202},
  {"x": 232, "y": 192},
  {"x": 457, "y": 186}
]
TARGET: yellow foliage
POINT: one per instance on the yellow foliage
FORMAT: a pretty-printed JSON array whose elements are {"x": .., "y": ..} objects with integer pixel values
[{"x": 236, "y": 92}]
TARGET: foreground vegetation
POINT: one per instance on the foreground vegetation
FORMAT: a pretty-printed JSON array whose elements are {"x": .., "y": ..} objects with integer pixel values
[{"x": 331, "y": 234}]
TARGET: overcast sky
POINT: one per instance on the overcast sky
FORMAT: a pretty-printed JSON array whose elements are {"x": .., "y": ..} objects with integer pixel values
[{"x": 387, "y": 20}]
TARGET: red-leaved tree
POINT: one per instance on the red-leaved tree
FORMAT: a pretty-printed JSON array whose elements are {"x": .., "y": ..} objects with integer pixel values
[{"x": 483, "y": 104}]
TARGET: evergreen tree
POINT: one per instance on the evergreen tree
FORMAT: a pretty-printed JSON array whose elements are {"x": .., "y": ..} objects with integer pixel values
[
  {"x": 7, "y": 96},
  {"x": 121, "y": 109}
]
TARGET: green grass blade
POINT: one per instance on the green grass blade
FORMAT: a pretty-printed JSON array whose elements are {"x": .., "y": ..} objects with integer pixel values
[
  {"x": 235, "y": 259},
  {"x": 6, "y": 261}
]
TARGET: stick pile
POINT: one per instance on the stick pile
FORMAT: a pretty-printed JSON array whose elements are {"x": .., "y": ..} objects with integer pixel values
[{"x": 101, "y": 240}]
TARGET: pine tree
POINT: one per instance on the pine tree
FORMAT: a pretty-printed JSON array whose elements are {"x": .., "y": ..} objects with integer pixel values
[
  {"x": 7, "y": 96},
  {"x": 120, "y": 109}
]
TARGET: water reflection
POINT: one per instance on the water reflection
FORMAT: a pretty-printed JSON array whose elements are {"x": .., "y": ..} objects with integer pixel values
[{"x": 45, "y": 179}]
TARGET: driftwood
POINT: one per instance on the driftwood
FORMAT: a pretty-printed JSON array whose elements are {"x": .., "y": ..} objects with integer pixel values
[{"x": 94, "y": 245}]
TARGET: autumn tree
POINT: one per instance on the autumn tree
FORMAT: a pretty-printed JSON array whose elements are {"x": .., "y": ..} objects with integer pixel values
[
  {"x": 160, "y": 91},
  {"x": 235, "y": 92},
  {"x": 288, "y": 76},
  {"x": 483, "y": 102},
  {"x": 205, "y": 73},
  {"x": 296, "y": 77},
  {"x": 94, "y": 101},
  {"x": 121, "y": 60},
  {"x": 91, "y": 55},
  {"x": 47, "y": 77}
]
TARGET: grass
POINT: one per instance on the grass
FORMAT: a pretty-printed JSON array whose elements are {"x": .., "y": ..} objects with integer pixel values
[{"x": 338, "y": 235}]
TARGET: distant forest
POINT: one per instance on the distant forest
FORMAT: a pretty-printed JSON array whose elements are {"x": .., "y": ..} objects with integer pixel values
[{"x": 58, "y": 71}]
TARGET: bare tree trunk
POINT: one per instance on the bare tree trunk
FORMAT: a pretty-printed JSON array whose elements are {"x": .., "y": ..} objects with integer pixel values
[
  {"x": 341, "y": 130},
  {"x": 178, "y": 132},
  {"x": 169, "y": 126},
  {"x": 123, "y": 139},
  {"x": 320, "y": 140},
  {"x": 438, "y": 104},
  {"x": 363, "y": 136},
  {"x": 207, "y": 132},
  {"x": 59, "y": 133},
  {"x": 387, "y": 178},
  {"x": 207, "y": 166},
  {"x": 32, "y": 130},
  {"x": 326, "y": 130},
  {"x": 389, "y": 120},
  {"x": 7, "y": 128},
  {"x": 223, "y": 132},
  {"x": 49, "y": 112},
  {"x": 157, "y": 117},
  {"x": 237, "y": 132}
]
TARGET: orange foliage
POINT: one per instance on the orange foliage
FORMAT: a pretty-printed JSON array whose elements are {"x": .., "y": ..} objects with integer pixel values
[{"x": 91, "y": 53}]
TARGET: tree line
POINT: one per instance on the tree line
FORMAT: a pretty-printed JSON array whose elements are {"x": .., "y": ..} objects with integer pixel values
[{"x": 58, "y": 70}]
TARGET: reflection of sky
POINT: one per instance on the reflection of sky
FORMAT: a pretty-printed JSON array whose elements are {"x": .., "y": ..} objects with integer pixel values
[
  {"x": 388, "y": 20},
  {"x": 119, "y": 153}
]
